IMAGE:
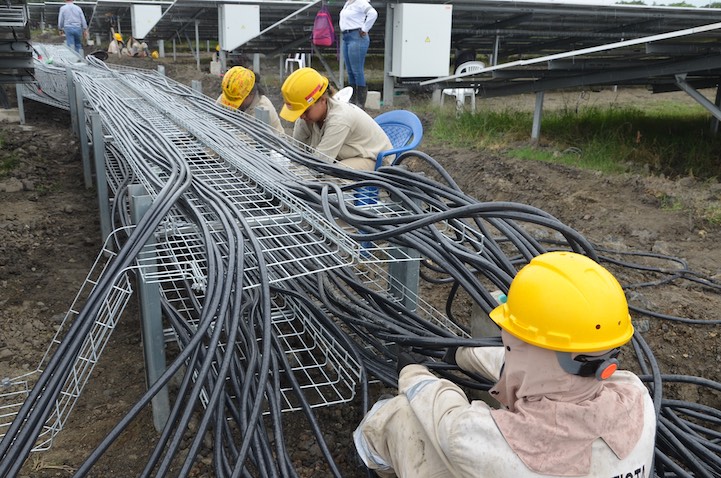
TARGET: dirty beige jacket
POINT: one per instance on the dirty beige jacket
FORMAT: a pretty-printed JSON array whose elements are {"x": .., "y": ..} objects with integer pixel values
[
  {"x": 431, "y": 430},
  {"x": 348, "y": 134}
]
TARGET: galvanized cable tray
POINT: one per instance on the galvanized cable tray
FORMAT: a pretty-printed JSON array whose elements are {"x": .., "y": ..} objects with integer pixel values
[
  {"x": 13, "y": 392},
  {"x": 325, "y": 372}
]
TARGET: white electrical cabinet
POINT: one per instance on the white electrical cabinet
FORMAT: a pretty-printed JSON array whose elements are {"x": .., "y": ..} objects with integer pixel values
[
  {"x": 421, "y": 40},
  {"x": 237, "y": 24}
]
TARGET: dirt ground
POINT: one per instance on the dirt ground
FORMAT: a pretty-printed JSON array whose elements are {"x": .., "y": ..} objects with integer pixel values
[{"x": 49, "y": 239}]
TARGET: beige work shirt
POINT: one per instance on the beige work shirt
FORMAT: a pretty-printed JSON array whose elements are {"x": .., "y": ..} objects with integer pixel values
[
  {"x": 348, "y": 134},
  {"x": 262, "y": 101}
]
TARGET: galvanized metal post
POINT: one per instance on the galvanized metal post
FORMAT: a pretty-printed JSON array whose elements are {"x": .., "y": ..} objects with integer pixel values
[
  {"x": 83, "y": 137},
  {"x": 101, "y": 184},
  {"x": 263, "y": 115},
  {"x": 152, "y": 323},
  {"x": 388, "y": 81},
  {"x": 21, "y": 105},
  {"x": 481, "y": 324},
  {"x": 537, "y": 115},
  {"x": 341, "y": 64},
  {"x": 403, "y": 276},
  {"x": 71, "y": 100},
  {"x": 197, "y": 45}
]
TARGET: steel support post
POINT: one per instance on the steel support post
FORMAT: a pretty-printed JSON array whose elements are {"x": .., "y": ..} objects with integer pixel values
[
  {"x": 388, "y": 81},
  {"x": 481, "y": 324},
  {"x": 403, "y": 276},
  {"x": 151, "y": 317},
  {"x": 71, "y": 100},
  {"x": 101, "y": 183},
  {"x": 262, "y": 114},
  {"x": 21, "y": 105},
  {"x": 197, "y": 45},
  {"x": 83, "y": 137},
  {"x": 537, "y": 116},
  {"x": 341, "y": 64},
  {"x": 714, "y": 120}
]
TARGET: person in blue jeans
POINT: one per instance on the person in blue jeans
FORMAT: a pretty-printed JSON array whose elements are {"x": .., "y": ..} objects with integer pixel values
[
  {"x": 71, "y": 21},
  {"x": 356, "y": 19}
]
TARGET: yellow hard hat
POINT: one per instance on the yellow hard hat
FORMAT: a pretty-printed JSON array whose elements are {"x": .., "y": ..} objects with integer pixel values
[
  {"x": 118, "y": 37},
  {"x": 300, "y": 90},
  {"x": 237, "y": 84},
  {"x": 566, "y": 302},
  {"x": 217, "y": 47},
  {"x": 155, "y": 54}
]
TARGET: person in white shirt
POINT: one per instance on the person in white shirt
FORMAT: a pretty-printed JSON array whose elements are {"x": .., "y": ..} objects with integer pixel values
[
  {"x": 71, "y": 21},
  {"x": 564, "y": 412},
  {"x": 356, "y": 20}
]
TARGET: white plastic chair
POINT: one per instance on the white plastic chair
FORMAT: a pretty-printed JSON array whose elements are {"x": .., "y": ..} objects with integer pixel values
[
  {"x": 344, "y": 94},
  {"x": 298, "y": 59},
  {"x": 462, "y": 93}
]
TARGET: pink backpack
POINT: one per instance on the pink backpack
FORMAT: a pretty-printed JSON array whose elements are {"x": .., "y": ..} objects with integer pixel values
[{"x": 323, "y": 31}]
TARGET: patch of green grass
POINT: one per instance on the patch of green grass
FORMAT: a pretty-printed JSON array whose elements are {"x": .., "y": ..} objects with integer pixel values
[
  {"x": 712, "y": 215},
  {"x": 671, "y": 203},
  {"x": 8, "y": 161},
  {"x": 674, "y": 139},
  {"x": 7, "y": 164}
]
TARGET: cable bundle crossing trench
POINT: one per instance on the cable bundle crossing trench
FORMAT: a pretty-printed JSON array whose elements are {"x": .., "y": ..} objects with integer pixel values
[{"x": 283, "y": 287}]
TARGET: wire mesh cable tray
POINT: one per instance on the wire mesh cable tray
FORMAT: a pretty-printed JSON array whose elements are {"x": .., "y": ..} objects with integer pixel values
[{"x": 14, "y": 392}]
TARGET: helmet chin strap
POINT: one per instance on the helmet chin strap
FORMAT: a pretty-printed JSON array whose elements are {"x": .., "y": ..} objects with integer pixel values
[{"x": 599, "y": 366}]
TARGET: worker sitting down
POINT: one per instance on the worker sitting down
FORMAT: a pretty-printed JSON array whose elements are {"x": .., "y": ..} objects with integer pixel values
[
  {"x": 565, "y": 412},
  {"x": 338, "y": 129}
]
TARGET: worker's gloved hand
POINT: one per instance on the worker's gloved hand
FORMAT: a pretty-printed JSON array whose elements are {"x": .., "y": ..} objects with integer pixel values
[
  {"x": 450, "y": 356},
  {"x": 405, "y": 357}
]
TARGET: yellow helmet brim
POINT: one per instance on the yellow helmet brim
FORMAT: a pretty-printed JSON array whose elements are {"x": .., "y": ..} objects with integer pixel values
[{"x": 235, "y": 104}]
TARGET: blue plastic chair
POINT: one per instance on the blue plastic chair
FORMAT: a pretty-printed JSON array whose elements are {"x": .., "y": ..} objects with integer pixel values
[{"x": 403, "y": 128}]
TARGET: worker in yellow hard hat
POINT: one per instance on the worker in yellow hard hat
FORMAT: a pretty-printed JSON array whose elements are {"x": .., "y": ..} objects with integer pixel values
[
  {"x": 565, "y": 410},
  {"x": 240, "y": 91},
  {"x": 116, "y": 45},
  {"x": 339, "y": 130}
]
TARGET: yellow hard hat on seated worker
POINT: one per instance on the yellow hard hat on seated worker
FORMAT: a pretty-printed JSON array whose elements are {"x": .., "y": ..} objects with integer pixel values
[
  {"x": 566, "y": 302},
  {"x": 300, "y": 90},
  {"x": 118, "y": 37},
  {"x": 237, "y": 84}
]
